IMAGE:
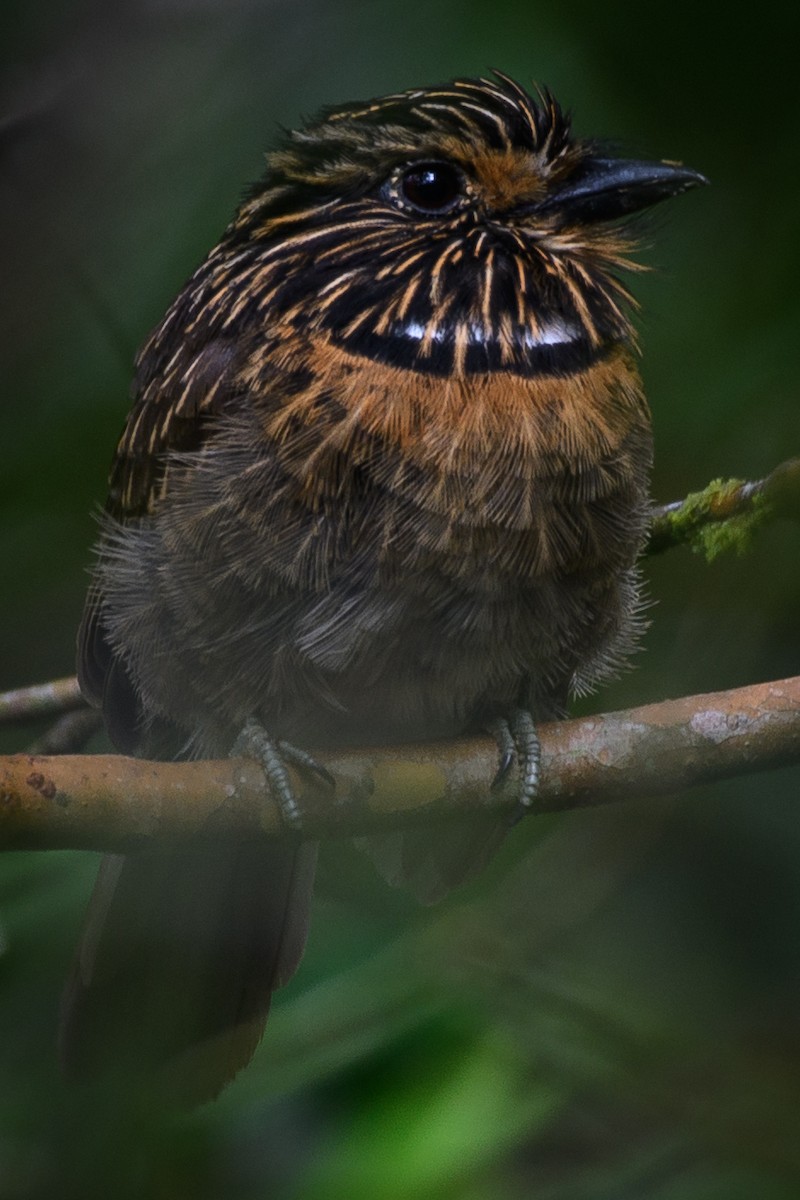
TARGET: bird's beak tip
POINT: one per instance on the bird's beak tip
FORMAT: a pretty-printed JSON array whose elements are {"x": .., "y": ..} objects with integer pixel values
[
  {"x": 686, "y": 177},
  {"x": 608, "y": 188}
]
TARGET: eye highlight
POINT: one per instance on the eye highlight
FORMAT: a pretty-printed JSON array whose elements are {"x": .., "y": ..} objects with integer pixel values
[{"x": 430, "y": 187}]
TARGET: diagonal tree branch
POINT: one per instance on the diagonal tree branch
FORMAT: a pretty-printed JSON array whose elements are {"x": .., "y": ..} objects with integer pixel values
[{"x": 104, "y": 802}]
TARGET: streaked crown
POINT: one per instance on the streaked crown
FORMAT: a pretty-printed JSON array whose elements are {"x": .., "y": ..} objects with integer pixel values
[{"x": 460, "y": 228}]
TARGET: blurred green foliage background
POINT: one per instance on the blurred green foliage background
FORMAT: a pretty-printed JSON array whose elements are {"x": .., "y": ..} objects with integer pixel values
[{"x": 612, "y": 1011}]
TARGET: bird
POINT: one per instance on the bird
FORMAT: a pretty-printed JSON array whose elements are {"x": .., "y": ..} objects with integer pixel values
[{"x": 385, "y": 478}]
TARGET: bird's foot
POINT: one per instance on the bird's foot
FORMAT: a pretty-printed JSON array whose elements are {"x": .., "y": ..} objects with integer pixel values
[
  {"x": 273, "y": 755},
  {"x": 518, "y": 741}
]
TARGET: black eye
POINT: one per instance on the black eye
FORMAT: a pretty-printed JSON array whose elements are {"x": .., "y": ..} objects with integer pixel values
[{"x": 431, "y": 187}]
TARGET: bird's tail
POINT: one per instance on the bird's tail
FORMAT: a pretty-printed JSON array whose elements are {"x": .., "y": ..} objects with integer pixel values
[{"x": 178, "y": 959}]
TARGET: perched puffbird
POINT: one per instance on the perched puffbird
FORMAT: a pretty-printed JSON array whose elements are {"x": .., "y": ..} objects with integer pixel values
[{"x": 385, "y": 479}]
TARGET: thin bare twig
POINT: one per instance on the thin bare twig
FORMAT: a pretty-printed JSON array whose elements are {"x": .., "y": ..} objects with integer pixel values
[
  {"x": 114, "y": 803},
  {"x": 41, "y": 700}
]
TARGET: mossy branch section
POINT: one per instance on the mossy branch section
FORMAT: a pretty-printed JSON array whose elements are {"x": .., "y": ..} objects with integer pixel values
[
  {"x": 726, "y": 514},
  {"x": 105, "y": 802}
]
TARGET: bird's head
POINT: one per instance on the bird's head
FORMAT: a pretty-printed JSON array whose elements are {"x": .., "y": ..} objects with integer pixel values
[{"x": 451, "y": 229}]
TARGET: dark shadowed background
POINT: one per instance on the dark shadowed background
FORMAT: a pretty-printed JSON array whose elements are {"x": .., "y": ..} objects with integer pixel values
[{"x": 612, "y": 1011}]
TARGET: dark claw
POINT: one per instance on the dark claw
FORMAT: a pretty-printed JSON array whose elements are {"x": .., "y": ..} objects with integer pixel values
[
  {"x": 306, "y": 762},
  {"x": 506, "y": 763},
  {"x": 517, "y": 740},
  {"x": 501, "y": 732}
]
